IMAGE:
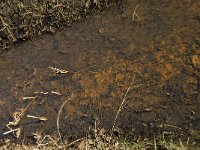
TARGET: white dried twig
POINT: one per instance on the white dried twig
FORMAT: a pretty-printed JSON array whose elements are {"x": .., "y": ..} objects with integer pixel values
[
  {"x": 39, "y": 118},
  {"x": 121, "y": 106},
  {"x": 56, "y": 93},
  {"x": 16, "y": 132},
  {"x": 16, "y": 119},
  {"x": 58, "y": 121},
  {"x": 48, "y": 93},
  {"x": 26, "y": 98},
  {"x": 135, "y": 14},
  {"x": 58, "y": 71}
]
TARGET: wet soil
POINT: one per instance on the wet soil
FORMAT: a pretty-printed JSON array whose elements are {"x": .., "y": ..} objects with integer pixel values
[{"x": 157, "y": 55}]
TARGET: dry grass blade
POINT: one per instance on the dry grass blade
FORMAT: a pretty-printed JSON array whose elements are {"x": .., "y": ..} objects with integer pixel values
[
  {"x": 48, "y": 93},
  {"x": 122, "y": 104},
  {"x": 78, "y": 140},
  {"x": 58, "y": 71},
  {"x": 27, "y": 98},
  {"x": 17, "y": 116},
  {"x": 58, "y": 122},
  {"x": 48, "y": 141},
  {"x": 16, "y": 132},
  {"x": 23, "y": 19},
  {"x": 135, "y": 16},
  {"x": 39, "y": 118},
  {"x": 155, "y": 144},
  {"x": 7, "y": 30},
  {"x": 56, "y": 93}
]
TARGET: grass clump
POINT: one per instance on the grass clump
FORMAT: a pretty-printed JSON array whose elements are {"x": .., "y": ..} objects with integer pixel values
[
  {"x": 24, "y": 19},
  {"x": 20, "y": 20},
  {"x": 104, "y": 140}
]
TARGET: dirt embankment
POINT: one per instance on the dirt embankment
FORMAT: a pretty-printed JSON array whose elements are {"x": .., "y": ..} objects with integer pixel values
[{"x": 23, "y": 19}]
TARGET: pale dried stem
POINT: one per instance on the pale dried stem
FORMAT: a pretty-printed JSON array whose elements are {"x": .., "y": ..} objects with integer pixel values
[
  {"x": 121, "y": 106},
  {"x": 135, "y": 14},
  {"x": 58, "y": 122},
  {"x": 78, "y": 140}
]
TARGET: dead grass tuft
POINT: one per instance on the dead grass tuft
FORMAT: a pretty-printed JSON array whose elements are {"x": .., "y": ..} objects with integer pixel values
[{"x": 23, "y": 19}]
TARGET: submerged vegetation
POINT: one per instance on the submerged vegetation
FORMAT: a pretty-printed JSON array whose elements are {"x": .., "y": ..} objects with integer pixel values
[{"x": 24, "y": 19}]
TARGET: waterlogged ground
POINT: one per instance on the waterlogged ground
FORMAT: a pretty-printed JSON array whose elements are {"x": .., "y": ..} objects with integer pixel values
[{"x": 154, "y": 60}]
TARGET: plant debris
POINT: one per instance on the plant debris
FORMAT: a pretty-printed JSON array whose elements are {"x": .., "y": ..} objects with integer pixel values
[
  {"x": 17, "y": 117},
  {"x": 48, "y": 93},
  {"x": 39, "y": 118},
  {"x": 58, "y": 71}
]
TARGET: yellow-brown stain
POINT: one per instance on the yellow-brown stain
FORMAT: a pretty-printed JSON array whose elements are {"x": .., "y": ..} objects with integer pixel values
[
  {"x": 150, "y": 100},
  {"x": 2, "y": 102},
  {"x": 196, "y": 61},
  {"x": 71, "y": 111}
]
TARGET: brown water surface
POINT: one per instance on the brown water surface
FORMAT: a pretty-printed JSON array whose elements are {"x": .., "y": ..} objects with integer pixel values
[{"x": 157, "y": 56}]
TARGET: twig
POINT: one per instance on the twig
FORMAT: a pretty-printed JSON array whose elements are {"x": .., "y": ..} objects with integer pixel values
[
  {"x": 43, "y": 139},
  {"x": 121, "y": 106},
  {"x": 75, "y": 141},
  {"x": 172, "y": 126},
  {"x": 56, "y": 93},
  {"x": 26, "y": 98},
  {"x": 58, "y": 71},
  {"x": 39, "y": 118},
  {"x": 48, "y": 93},
  {"x": 135, "y": 14},
  {"x": 11, "y": 131},
  {"x": 16, "y": 119},
  {"x": 58, "y": 121},
  {"x": 155, "y": 144}
]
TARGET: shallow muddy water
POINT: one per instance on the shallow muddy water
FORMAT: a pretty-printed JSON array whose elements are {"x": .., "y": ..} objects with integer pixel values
[{"x": 153, "y": 60}]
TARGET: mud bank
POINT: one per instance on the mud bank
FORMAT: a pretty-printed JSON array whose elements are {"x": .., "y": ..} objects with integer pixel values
[{"x": 149, "y": 52}]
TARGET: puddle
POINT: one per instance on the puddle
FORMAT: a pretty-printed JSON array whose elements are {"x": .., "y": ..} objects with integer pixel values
[{"x": 157, "y": 55}]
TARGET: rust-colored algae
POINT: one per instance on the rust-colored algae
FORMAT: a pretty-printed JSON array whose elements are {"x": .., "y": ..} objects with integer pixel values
[{"x": 157, "y": 56}]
